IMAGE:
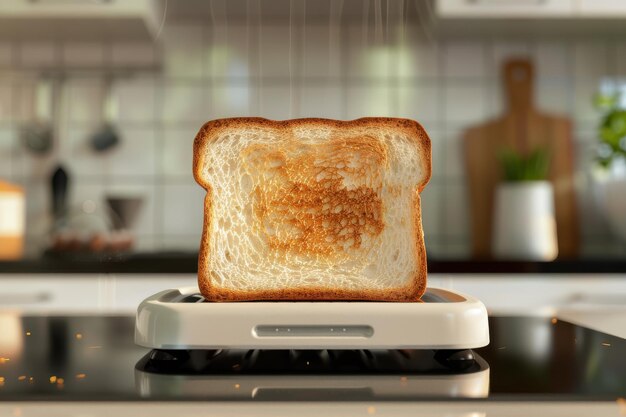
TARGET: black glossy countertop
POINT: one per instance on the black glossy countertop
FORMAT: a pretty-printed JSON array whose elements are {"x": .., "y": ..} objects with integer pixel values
[
  {"x": 187, "y": 262},
  {"x": 94, "y": 358}
]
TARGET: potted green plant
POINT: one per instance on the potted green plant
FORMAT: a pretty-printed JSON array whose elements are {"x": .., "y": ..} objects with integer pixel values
[
  {"x": 524, "y": 223},
  {"x": 610, "y": 172}
]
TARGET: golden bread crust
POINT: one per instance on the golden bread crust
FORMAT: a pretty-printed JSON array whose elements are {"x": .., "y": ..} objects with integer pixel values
[{"x": 411, "y": 292}]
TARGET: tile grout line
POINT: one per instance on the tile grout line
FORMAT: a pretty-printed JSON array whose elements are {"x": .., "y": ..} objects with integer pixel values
[
  {"x": 158, "y": 190},
  {"x": 442, "y": 85}
]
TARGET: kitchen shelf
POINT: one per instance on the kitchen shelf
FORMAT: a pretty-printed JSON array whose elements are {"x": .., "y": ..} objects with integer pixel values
[{"x": 187, "y": 262}]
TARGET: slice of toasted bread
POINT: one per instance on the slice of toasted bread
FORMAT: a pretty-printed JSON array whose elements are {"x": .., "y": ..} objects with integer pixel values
[{"x": 312, "y": 209}]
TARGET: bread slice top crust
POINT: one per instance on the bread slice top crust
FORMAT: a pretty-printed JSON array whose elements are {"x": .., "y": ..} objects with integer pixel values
[
  {"x": 213, "y": 130},
  {"x": 324, "y": 207}
]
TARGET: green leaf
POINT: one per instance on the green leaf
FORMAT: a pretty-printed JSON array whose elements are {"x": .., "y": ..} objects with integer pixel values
[
  {"x": 516, "y": 167},
  {"x": 605, "y": 101}
]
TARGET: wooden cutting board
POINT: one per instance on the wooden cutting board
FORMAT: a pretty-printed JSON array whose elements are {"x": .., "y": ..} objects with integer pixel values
[{"x": 523, "y": 128}]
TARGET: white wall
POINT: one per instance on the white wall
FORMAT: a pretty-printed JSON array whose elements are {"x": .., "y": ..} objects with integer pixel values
[{"x": 216, "y": 72}]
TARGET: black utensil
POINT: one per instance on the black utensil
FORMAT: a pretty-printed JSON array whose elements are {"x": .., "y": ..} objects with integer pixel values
[
  {"x": 107, "y": 136},
  {"x": 59, "y": 183},
  {"x": 37, "y": 135}
]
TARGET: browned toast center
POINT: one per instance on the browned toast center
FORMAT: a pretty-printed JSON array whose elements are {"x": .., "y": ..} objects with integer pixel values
[{"x": 319, "y": 199}]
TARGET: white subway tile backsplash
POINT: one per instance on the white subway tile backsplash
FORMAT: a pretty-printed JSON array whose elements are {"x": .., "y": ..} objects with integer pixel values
[
  {"x": 456, "y": 210},
  {"x": 453, "y": 151},
  {"x": 503, "y": 51},
  {"x": 135, "y": 99},
  {"x": 97, "y": 216},
  {"x": 435, "y": 249},
  {"x": 230, "y": 100},
  {"x": 276, "y": 102},
  {"x": 322, "y": 52},
  {"x": 133, "y": 54},
  {"x": 39, "y": 54},
  {"x": 6, "y": 54},
  {"x": 33, "y": 167},
  {"x": 7, "y": 148},
  {"x": 378, "y": 62},
  {"x": 587, "y": 183},
  {"x": 184, "y": 102},
  {"x": 145, "y": 244},
  {"x": 38, "y": 215},
  {"x": 135, "y": 155},
  {"x": 372, "y": 100},
  {"x": 554, "y": 96},
  {"x": 551, "y": 95},
  {"x": 276, "y": 52},
  {"x": 584, "y": 110},
  {"x": 495, "y": 102},
  {"x": 595, "y": 224},
  {"x": 416, "y": 58},
  {"x": 23, "y": 99},
  {"x": 464, "y": 59},
  {"x": 590, "y": 189},
  {"x": 553, "y": 59},
  {"x": 367, "y": 58},
  {"x": 325, "y": 101},
  {"x": 212, "y": 72},
  {"x": 83, "y": 54},
  {"x": 431, "y": 199},
  {"x": 189, "y": 243},
  {"x": 85, "y": 99},
  {"x": 437, "y": 146},
  {"x": 464, "y": 103},
  {"x": 83, "y": 159},
  {"x": 231, "y": 54},
  {"x": 177, "y": 152},
  {"x": 620, "y": 59},
  {"x": 184, "y": 53},
  {"x": 587, "y": 135},
  {"x": 457, "y": 248},
  {"x": 419, "y": 101},
  {"x": 183, "y": 210},
  {"x": 590, "y": 59},
  {"x": 6, "y": 102}
]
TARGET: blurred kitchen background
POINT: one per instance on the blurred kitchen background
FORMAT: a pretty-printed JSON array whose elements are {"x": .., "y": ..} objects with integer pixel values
[{"x": 154, "y": 72}]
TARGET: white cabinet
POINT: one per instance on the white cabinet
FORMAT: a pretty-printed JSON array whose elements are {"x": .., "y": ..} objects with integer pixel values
[
  {"x": 504, "y": 8},
  {"x": 526, "y": 9},
  {"x": 83, "y": 293},
  {"x": 595, "y": 301},
  {"x": 79, "y": 19},
  {"x": 50, "y": 293},
  {"x": 601, "y": 8}
]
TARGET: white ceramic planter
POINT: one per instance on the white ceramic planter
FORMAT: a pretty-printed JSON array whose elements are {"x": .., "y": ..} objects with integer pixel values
[{"x": 524, "y": 226}]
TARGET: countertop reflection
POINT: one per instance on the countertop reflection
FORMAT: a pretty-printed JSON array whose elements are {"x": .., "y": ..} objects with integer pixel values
[{"x": 95, "y": 358}]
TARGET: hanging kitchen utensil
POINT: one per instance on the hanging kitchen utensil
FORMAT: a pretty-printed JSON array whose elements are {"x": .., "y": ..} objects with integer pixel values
[
  {"x": 107, "y": 136},
  {"x": 125, "y": 210},
  {"x": 37, "y": 135},
  {"x": 59, "y": 183},
  {"x": 523, "y": 129}
]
